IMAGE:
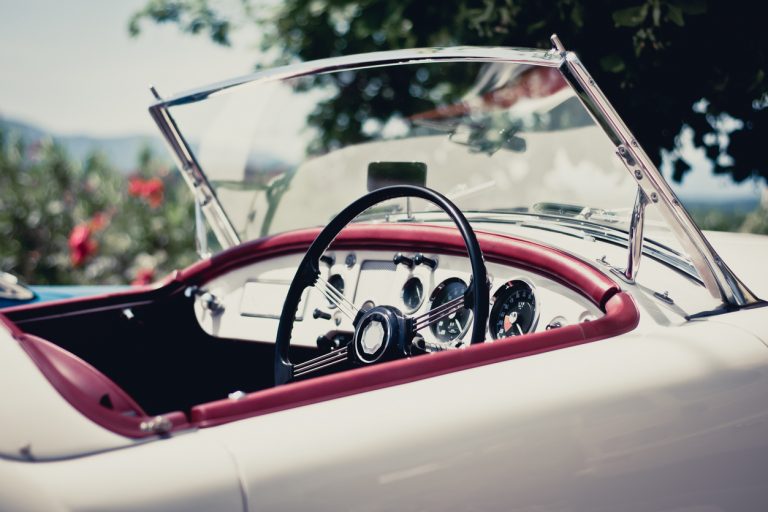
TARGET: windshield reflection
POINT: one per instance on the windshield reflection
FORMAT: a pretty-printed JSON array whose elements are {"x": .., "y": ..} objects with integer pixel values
[{"x": 492, "y": 137}]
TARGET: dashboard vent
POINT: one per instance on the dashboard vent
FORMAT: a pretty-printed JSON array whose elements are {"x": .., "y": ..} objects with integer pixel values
[{"x": 374, "y": 265}]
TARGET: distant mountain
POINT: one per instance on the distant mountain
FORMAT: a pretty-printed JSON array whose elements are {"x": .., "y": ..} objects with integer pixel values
[{"x": 121, "y": 152}]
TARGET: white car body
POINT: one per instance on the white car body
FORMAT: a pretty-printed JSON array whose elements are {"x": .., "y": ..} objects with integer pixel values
[{"x": 670, "y": 415}]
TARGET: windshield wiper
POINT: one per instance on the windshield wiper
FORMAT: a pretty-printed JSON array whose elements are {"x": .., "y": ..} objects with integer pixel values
[
  {"x": 581, "y": 212},
  {"x": 559, "y": 218},
  {"x": 583, "y": 228}
]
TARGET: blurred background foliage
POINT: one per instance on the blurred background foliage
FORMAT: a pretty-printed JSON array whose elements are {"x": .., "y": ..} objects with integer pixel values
[
  {"x": 63, "y": 222},
  {"x": 668, "y": 66}
]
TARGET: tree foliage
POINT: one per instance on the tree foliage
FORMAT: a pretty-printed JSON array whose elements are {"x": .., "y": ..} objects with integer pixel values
[
  {"x": 666, "y": 64},
  {"x": 66, "y": 223}
]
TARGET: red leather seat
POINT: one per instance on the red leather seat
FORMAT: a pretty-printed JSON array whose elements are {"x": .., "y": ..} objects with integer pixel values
[{"x": 83, "y": 382}]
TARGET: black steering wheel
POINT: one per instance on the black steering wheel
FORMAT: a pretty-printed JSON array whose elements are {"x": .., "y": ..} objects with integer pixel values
[{"x": 381, "y": 332}]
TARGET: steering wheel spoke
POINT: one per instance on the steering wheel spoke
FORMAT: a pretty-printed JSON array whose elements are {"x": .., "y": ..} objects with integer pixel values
[
  {"x": 337, "y": 298},
  {"x": 435, "y": 315},
  {"x": 332, "y": 358}
]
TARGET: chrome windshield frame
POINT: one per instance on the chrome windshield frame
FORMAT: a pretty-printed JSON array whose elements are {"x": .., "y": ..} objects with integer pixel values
[{"x": 718, "y": 279}]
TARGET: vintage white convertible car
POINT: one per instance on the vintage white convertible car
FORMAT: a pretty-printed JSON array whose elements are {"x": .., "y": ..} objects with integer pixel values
[{"x": 428, "y": 295}]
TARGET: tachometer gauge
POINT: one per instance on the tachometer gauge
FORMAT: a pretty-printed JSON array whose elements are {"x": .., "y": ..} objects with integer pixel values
[
  {"x": 513, "y": 310},
  {"x": 456, "y": 324}
]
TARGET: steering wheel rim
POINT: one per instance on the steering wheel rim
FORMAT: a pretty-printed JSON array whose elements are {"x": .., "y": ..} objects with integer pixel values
[{"x": 308, "y": 272}]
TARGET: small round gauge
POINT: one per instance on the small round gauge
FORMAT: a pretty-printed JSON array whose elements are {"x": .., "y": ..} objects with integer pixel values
[
  {"x": 412, "y": 294},
  {"x": 337, "y": 282},
  {"x": 452, "y": 326},
  {"x": 514, "y": 310}
]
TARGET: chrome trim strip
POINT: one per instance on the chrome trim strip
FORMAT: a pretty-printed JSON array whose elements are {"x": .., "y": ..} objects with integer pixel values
[
  {"x": 531, "y": 56},
  {"x": 717, "y": 277}
]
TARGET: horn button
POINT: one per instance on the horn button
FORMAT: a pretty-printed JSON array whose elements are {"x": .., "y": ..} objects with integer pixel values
[
  {"x": 372, "y": 337},
  {"x": 380, "y": 331}
]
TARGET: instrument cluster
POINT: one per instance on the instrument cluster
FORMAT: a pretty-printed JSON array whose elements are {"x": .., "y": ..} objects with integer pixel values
[{"x": 420, "y": 286}]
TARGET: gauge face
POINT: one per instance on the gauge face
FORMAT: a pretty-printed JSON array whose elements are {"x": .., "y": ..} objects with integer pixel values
[
  {"x": 452, "y": 326},
  {"x": 514, "y": 310},
  {"x": 413, "y": 294},
  {"x": 337, "y": 282}
]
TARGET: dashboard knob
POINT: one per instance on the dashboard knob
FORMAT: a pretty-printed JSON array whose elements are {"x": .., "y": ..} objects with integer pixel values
[
  {"x": 401, "y": 258},
  {"x": 420, "y": 259},
  {"x": 318, "y": 313}
]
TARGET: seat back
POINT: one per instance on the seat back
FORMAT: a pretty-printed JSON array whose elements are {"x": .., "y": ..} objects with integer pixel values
[{"x": 83, "y": 380}]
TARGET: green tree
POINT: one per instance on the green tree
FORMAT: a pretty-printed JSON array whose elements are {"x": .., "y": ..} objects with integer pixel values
[{"x": 666, "y": 64}]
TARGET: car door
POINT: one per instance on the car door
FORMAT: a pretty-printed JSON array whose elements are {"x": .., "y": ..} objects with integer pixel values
[{"x": 668, "y": 418}]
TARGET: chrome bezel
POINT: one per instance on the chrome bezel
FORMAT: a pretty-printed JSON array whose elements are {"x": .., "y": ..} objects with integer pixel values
[
  {"x": 402, "y": 294},
  {"x": 439, "y": 288},
  {"x": 502, "y": 288}
]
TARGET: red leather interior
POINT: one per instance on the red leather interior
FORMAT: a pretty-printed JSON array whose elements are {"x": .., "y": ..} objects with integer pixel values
[
  {"x": 83, "y": 377},
  {"x": 90, "y": 391}
]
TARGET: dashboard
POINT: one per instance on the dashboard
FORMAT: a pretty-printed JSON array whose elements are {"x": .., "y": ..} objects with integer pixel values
[{"x": 246, "y": 303}]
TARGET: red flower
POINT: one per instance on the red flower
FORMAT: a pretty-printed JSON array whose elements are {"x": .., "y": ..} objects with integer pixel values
[
  {"x": 150, "y": 190},
  {"x": 153, "y": 192},
  {"x": 143, "y": 277},
  {"x": 81, "y": 245},
  {"x": 135, "y": 187}
]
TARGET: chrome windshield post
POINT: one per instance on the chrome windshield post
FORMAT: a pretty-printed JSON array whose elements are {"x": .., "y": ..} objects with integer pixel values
[
  {"x": 718, "y": 279},
  {"x": 201, "y": 233},
  {"x": 204, "y": 195},
  {"x": 636, "y": 236}
]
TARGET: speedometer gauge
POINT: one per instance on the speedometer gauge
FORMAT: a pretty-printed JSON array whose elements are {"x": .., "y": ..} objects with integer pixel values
[
  {"x": 514, "y": 310},
  {"x": 452, "y": 326}
]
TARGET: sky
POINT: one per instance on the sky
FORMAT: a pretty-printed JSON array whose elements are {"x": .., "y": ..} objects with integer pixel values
[{"x": 70, "y": 68}]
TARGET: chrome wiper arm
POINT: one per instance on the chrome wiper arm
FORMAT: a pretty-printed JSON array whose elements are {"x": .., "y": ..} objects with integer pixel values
[
  {"x": 582, "y": 229},
  {"x": 636, "y": 236},
  {"x": 583, "y": 223}
]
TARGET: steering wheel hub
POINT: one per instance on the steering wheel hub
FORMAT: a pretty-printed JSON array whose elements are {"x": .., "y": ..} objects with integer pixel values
[
  {"x": 372, "y": 337},
  {"x": 379, "y": 331}
]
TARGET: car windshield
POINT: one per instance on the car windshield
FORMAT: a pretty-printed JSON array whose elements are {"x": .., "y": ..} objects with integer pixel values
[{"x": 496, "y": 138}]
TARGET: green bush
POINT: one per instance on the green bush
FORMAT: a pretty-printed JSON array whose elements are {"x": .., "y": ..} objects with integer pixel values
[{"x": 62, "y": 222}]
